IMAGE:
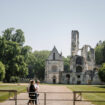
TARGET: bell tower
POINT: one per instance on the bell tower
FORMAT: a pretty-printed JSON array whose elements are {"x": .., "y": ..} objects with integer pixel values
[{"x": 74, "y": 42}]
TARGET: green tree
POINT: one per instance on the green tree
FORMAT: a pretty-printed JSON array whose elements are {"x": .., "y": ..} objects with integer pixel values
[
  {"x": 18, "y": 37},
  {"x": 2, "y": 71},
  {"x": 100, "y": 53},
  {"x": 7, "y": 34},
  {"x": 26, "y": 51},
  {"x": 102, "y": 72},
  {"x": 14, "y": 61},
  {"x": 67, "y": 63},
  {"x": 31, "y": 65},
  {"x": 11, "y": 34},
  {"x": 41, "y": 57}
]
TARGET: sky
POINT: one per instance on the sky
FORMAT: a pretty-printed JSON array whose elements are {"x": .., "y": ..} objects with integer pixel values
[{"x": 49, "y": 22}]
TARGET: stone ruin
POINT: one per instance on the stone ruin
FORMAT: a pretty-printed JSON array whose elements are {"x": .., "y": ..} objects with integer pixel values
[{"x": 82, "y": 67}]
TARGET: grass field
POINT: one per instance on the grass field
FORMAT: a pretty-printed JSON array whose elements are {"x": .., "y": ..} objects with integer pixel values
[
  {"x": 5, "y": 95},
  {"x": 90, "y": 96}
]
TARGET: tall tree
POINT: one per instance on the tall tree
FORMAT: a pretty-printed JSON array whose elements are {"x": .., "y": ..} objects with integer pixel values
[
  {"x": 31, "y": 65},
  {"x": 7, "y": 34},
  {"x": 26, "y": 50},
  {"x": 100, "y": 53},
  {"x": 102, "y": 72},
  {"x": 2, "y": 71},
  {"x": 19, "y": 37},
  {"x": 67, "y": 63},
  {"x": 41, "y": 57},
  {"x": 10, "y": 55}
]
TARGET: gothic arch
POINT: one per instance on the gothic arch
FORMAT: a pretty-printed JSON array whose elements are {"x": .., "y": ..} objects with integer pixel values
[
  {"x": 68, "y": 78},
  {"x": 54, "y": 79}
]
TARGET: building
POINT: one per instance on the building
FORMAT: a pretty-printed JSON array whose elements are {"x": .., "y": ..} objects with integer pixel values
[
  {"x": 82, "y": 67},
  {"x": 54, "y": 65}
]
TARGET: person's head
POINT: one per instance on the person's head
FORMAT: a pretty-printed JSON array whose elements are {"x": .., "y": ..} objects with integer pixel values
[
  {"x": 37, "y": 81},
  {"x": 32, "y": 82}
]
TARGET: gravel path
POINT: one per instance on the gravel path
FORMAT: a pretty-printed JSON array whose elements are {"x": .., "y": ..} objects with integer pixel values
[{"x": 49, "y": 88}]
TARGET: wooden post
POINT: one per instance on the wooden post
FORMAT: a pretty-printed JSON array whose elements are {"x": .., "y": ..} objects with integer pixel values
[
  {"x": 44, "y": 98},
  {"x": 15, "y": 93},
  {"x": 80, "y": 96},
  {"x": 74, "y": 94}
]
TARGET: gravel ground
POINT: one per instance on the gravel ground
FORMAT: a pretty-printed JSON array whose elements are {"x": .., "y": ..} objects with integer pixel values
[{"x": 62, "y": 97}]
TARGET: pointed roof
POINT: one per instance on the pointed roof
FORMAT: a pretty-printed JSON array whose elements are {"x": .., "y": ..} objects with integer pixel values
[{"x": 57, "y": 55}]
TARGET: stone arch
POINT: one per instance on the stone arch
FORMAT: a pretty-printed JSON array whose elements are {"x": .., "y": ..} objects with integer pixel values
[
  {"x": 73, "y": 80},
  {"x": 54, "y": 79},
  {"x": 54, "y": 68},
  {"x": 78, "y": 69},
  {"x": 95, "y": 69},
  {"x": 68, "y": 78}
]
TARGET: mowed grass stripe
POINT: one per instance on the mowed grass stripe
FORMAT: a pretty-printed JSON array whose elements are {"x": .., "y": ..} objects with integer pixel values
[{"x": 90, "y": 96}]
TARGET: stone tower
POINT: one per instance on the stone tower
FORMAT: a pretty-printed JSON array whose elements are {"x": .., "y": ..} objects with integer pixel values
[
  {"x": 54, "y": 65},
  {"x": 74, "y": 42}
]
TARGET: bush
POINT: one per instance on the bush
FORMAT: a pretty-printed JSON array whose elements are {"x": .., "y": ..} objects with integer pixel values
[
  {"x": 14, "y": 79},
  {"x": 102, "y": 72}
]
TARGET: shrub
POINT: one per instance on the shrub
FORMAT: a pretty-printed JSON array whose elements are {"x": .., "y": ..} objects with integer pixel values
[{"x": 14, "y": 79}]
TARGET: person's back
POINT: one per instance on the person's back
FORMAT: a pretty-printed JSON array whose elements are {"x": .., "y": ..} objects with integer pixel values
[{"x": 31, "y": 89}]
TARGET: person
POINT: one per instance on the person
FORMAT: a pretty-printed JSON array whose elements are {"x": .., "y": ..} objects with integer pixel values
[
  {"x": 37, "y": 90},
  {"x": 31, "y": 89}
]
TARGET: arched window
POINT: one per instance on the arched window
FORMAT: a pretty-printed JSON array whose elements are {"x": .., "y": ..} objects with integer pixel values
[
  {"x": 79, "y": 60},
  {"x": 78, "y": 69},
  {"x": 54, "y": 79},
  {"x": 54, "y": 68},
  {"x": 68, "y": 76}
]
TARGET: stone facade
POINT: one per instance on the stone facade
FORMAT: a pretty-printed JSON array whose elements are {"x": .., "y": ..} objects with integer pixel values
[
  {"x": 82, "y": 67},
  {"x": 54, "y": 65}
]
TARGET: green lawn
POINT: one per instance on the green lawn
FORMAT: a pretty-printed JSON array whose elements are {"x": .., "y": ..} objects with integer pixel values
[
  {"x": 90, "y": 96},
  {"x": 5, "y": 95}
]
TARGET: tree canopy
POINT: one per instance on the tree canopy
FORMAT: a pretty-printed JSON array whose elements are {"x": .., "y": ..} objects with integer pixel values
[
  {"x": 100, "y": 52},
  {"x": 102, "y": 72},
  {"x": 2, "y": 71},
  {"x": 11, "y": 55},
  {"x": 67, "y": 63}
]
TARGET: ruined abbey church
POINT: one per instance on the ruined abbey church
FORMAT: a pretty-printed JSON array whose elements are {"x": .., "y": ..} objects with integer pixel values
[{"x": 82, "y": 67}]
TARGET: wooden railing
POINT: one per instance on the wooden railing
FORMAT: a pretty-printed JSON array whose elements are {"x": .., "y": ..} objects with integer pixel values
[{"x": 77, "y": 96}]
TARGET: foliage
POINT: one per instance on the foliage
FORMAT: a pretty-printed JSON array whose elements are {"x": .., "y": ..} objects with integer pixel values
[
  {"x": 2, "y": 71},
  {"x": 11, "y": 35},
  {"x": 19, "y": 37},
  {"x": 12, "y": 54},
  {"x": 14, "y": 79},
  {"x": 7, "y": 34},
  {"x": 102, "y": 72},
  {"x": 31, "y": 65},
  {"x": 100, "y": 53},
  {"x": 39, "y": 67},
  {"x": 67, "y": 63}
]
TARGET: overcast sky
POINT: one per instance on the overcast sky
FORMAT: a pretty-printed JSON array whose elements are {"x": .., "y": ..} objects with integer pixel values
[{"x": 49, "y": 22}]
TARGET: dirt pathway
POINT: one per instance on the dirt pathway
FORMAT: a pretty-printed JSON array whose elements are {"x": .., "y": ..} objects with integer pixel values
[{"x": 49, "y": 88}]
